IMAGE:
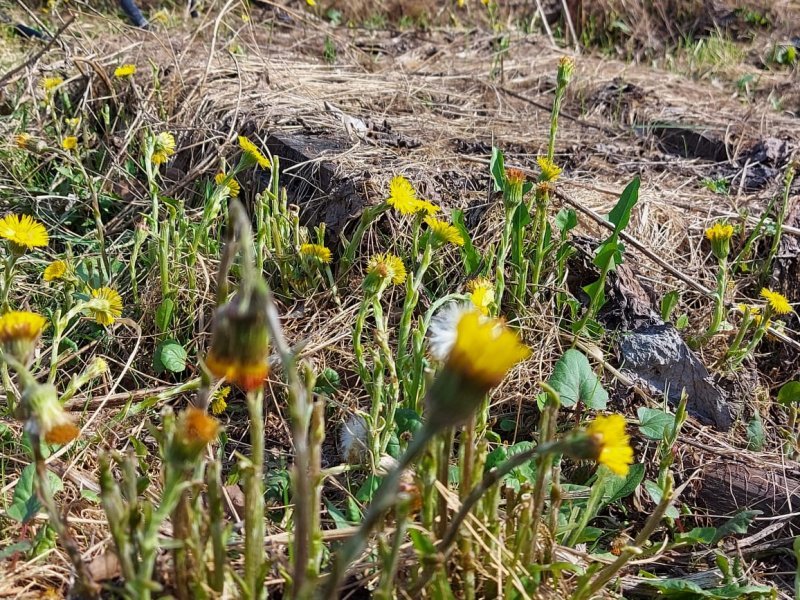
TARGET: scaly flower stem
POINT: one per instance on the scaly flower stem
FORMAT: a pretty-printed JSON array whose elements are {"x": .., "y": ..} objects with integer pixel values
[
  {"x": 8, "y": 277},
  {"x": 383, "y": 500},
  {"x": 590, "y": 510},
  {"x": 412, "y": 298},
  {"x": 758, "y": 335},
  {"x": 254, "y": 499},
  {"x": 85, "y": 586},
  {"x": 367, "y": 217},
  {"x": 540, "y": 228},
  {"x": 719, "y": 300},
  {"x": 591, "y": 586},
  {"x": 766, "y": 271},
  {"x": 502, "y": 254}
]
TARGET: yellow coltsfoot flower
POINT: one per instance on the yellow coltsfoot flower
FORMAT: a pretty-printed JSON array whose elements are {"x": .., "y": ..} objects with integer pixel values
[
  {"x": 481, "y": 294},
  {"x": 550, "y": 170},
  {"x": 163, "y": 147},
  {"x": 611, "y": 442},
  {"x": 51, "y": 83},
  {"x": 386, "y": 267},
  {"x": 232, "y": 184},
  {"x": 19, "y": 333},
  {"x": 69, "y": 143},
  {"x": 124, "y": 71},
  {"x": 252, "y": 152},
  {"x": 481, "y": 354},
  {"x": 105, "y": 305},
  {"x": 55, "y": 270},
  {"x": 316, "y": 252},
  {"x": 403, "y": 198},
  {"x": 777, "y": 302},
  {"x": 720, "y": 237},
  {"x": 443, "y": 233},
  {"x": 23, "y": 233},
  {"x": 219, "y": 400}
]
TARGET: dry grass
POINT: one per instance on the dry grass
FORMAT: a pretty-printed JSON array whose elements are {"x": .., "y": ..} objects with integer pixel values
[{"x": 220, "y": 76}]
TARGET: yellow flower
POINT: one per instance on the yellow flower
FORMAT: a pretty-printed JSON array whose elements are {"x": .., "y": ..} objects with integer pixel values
[
  {"x": 19, "y": 332},
  {"x": 23, "y": 232},
  {"x": 69, "y": 143},
  {"x": 550, "y": 170},
  {"x": 311, "y": 3},
  {"x": 105, "y": 305},
  {"x": 481, "y": 293},
  {"x": 50, "y": 83},
  {"x": 219, "y": 400},
  {"x": 566, "y": 65},
  {"x": 387, "y": 266},
  {"x": 476, "y": 359},
  {"x": 777, "y": 302},
  {"x": 484, "y": 350},
  {"x": 719, "y": 231},
  {"x": 22, "y": 140},
  {"x": 73, "y": 122},
  {"x": 55, "y": 270},
  {"x": 252, "y": 152},
  {"x": 48, "y": 419},
  {"x": 124, "y": 71},
  {"x": 402, "y": 196},
  {"x": 233, "y": 185},
  {"x": 316, "y": 252},
  {"x": 163, "y": 147},
  {"x": 443, "y": 232},
  {"x": 611, "y": 443}
]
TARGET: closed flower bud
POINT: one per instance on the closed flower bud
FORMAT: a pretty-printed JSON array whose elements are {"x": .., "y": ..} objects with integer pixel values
[
  {"x": 240, "y": 342},
  {"x": 194, "y": 430},
  {"x": 46, "y": 417}
]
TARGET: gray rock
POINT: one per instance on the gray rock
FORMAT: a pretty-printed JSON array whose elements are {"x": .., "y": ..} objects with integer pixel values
[{"x": 657, "y": 356}]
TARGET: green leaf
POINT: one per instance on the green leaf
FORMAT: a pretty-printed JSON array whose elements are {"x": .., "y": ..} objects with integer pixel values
[
  {"x": 575, "y": 381},
  {"x": 668, "y": 304},
  {"x": 522, "y": 217},
  {"x": 339, "y": 519},
  {"x": 620, "y": 215},
  {"x": 525, "y": 473},
  {"x": 698, "y": 535},
  {"x": 472, "y": 259},
  {"x": 566, "y": 219},
  {"x": 327, "y": 382},
  {"x": 736, "y": 524},
  {"x": 682, "y": 322},
  {"x": 170, "y": 356},
  {"x": 619, "y": 488},
  {"x": 498, "y": 170},
  {"x": 789, "y": 393},
  {"x": 422, "y": 543},
  {"x": 164, "y": 314},
  {"x": 24, "y": 504},
  {"x": 654, "y": 491},
  {"x": 596, "y": 288},
  {"x": 407, "y": 419},
  {"x": 607, "y": 255},
  {"x": 755, "y": 434},
  {"x": 368, "y": 489},
  {"x": 654, "y": 422},
  {"x": 14, "y": 548}
]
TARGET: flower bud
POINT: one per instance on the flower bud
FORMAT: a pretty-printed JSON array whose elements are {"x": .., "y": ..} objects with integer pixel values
[
  {"x": 46, "y": 417},
  {"x": 240, "y": 341},
  {"x": 720, "y": 237}
]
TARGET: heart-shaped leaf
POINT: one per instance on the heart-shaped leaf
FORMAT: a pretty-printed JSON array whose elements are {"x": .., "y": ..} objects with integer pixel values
[{"x": 575, "y": 381}]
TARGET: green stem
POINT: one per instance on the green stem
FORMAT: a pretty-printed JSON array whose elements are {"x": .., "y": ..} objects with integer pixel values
[
  {"x": 8, "y": 277},
  {"x": 254, "y": 499},
  {"x": 383, "y": 500}
]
